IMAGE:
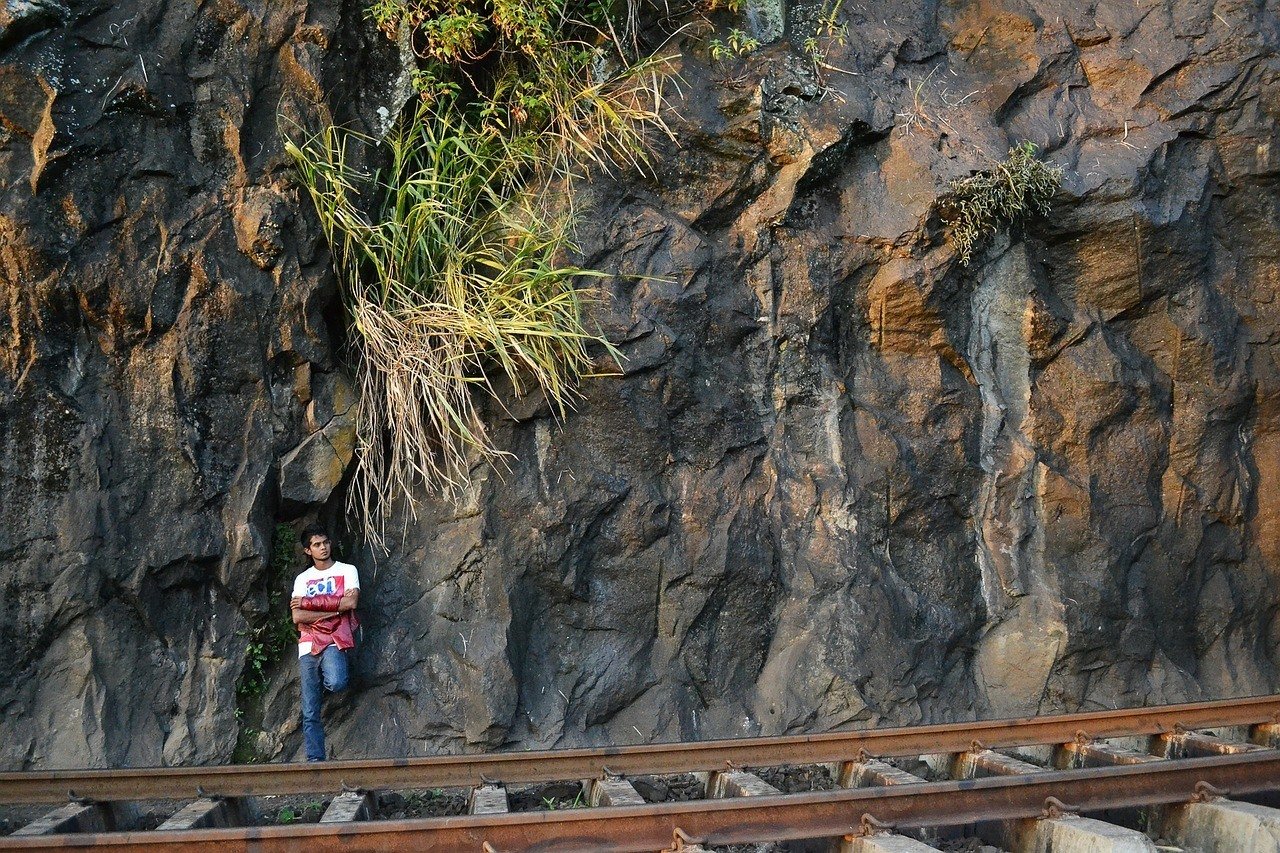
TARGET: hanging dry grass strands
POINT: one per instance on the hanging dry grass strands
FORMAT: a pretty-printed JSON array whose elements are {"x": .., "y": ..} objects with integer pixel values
[{"x": 452, "y": 257}]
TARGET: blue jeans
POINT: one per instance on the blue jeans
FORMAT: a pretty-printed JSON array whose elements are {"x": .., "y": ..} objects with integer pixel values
[{"x": 325, "y": 671}]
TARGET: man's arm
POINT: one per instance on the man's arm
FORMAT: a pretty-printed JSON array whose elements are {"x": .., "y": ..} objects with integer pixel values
[
  {"x": 303, "y": 616},
  {"x": 327, "y": 603},
  {"x": 317, "y": 607}
]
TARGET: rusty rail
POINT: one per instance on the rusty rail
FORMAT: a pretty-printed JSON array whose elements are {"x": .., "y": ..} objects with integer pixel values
[
  {"x": 780, "y": 818},
  {"x": 447, "y": 771}
]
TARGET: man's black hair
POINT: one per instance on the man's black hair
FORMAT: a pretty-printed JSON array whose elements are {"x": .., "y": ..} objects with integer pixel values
[{"x": 310, "y": 532}]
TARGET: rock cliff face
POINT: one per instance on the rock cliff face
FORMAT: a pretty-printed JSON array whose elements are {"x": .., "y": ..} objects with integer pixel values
[{"x": 843, "y": 480}]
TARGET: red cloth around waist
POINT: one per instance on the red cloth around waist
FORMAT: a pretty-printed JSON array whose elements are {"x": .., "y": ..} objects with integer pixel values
[{"x": 338, "y": 629}]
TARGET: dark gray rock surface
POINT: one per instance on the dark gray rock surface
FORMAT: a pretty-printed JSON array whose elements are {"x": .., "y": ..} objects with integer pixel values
[{"x": 842, "y": 480}]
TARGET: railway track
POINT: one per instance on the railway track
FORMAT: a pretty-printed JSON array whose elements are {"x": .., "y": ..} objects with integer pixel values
[{"x": 1196, "y": 775}]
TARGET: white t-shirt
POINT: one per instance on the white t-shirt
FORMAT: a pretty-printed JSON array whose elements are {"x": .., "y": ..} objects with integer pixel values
[{"x": 334, "y": 580}]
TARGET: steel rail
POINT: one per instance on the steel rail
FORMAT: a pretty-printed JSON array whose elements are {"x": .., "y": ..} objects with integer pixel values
[
  {"x": 449, "y": 771},
  {"x": 729, "y": 821}
]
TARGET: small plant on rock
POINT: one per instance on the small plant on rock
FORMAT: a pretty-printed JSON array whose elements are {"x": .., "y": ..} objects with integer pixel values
[
  {"x": 828, "y": 33},
  {"x": 977, "y": 206},
  {"x": 736, "y": 43}
]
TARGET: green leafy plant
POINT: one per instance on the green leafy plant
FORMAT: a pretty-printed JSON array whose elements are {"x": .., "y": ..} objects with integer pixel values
[
  {"x": 246, "y": 751},
  {"x": 556, "y": 804},
  {"x": 978, "y": 206},
  {"x": 828, "y": 33},
  {"x": 269, "y": 640},
  {"x": 467, "y": 31},
  {"x": 737, "y": 43},
  {"x": 453, "y": 256}
]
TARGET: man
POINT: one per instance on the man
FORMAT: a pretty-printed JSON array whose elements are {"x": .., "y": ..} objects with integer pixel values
[{"x": 323, "y": 604}]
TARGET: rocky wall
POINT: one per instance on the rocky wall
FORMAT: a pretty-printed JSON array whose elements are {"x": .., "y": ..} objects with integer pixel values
[
  {"x": 168, "y": 318},
  {"x": 842, "y": 479}
]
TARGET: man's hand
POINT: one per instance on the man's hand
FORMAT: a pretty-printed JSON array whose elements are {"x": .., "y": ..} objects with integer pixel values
[{"x": 349, "y": 600}]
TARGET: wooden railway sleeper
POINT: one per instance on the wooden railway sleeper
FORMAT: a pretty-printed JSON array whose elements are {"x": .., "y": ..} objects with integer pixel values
[
  {"x": 981, "y": 762},
  {"x": 612, "y": 789},
  {"x": 1212, "y": 822},
  {"x": 1182, "y": 743},
  {"x": 872, "y": 773},
  {"x": 738, "y": 783},
  {"x": 489, "y": 798},
  {"x": 1096, "y": 753},
  {"x": 349, "y": 806},
  {"x": 80, "y": 816},
  {"x": 210, "y": 811},
  {"x": 1266, "y": 734}
]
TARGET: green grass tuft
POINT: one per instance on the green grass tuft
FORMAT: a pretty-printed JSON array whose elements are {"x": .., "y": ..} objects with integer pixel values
[{"x": 978, "y": 206}]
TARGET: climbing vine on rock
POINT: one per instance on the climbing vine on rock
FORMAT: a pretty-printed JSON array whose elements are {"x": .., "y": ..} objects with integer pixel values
[{"x": 269, "y": 641}]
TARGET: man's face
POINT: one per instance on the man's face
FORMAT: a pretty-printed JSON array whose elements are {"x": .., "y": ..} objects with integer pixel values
[{"x": 318, "y": 548}]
